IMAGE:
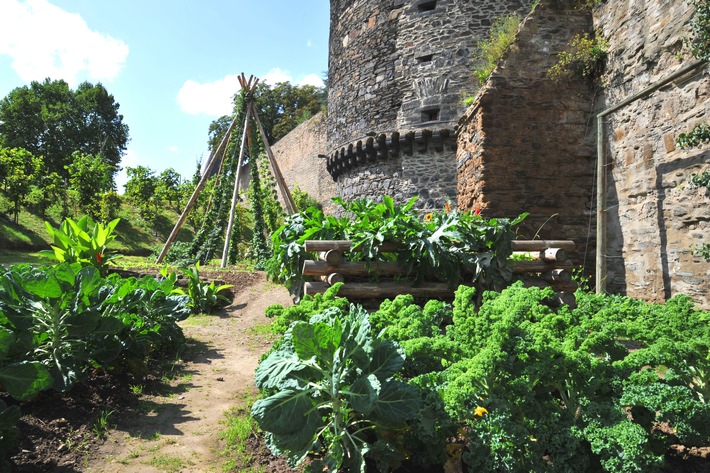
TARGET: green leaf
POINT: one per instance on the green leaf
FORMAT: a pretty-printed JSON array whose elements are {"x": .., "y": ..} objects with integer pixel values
[
  {"x": 317, "y": 340},
  {"x": 42, "y": 285},
  {"x": 396, "y": 403},
  {"x": 9, "y": 416},
  {"x": 7, "y": 338},
  {"x": 276, "y": 368},
  {"x": 288, "y": 412},
  {"x": 387, "y": 359},
  {"x": 25, "y": 379},
  {"x": 362, "y": 394}
]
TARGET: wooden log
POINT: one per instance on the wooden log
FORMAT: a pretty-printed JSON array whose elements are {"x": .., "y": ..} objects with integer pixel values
[
  {"x": 557, "y": 275},
  {"x": 332, "y": 278},
  {"x": 361, "y": 290},
  {"x": 539, "y": 266},
  {"x": 548, "y": 254},
  {"x": 557, "y": 286},
  {"x": 354, "y": 269},
  {"x": 541, "y": 245},
  {"x": 314, "y": 246},
  {"x": 332, "y": 257}
]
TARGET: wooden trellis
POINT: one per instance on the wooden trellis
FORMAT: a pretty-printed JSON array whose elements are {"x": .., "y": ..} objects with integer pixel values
[{"x": 248, "y": 86}]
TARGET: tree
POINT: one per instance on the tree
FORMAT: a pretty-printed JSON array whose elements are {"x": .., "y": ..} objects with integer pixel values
[
  {"x": 50, "y": 119},
  {"x": 88, "y": 180},
  {"x": 141, "y": 186},
  {"x": 18, "y": 170},
  {"x": 281, "y": 108},
  {"x": 168, "y": 188}
]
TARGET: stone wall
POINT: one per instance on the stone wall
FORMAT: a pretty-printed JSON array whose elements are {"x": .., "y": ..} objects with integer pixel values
[
  {"x": 298, "y": 156},
  {"x": 398, "y": 67},
  {"x": 655, "y": 216},
  {"x": 526, "y": 144}
]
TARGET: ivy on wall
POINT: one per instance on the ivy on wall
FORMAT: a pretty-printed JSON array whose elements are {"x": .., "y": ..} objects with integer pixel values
[{"x": 699, "y": 41}]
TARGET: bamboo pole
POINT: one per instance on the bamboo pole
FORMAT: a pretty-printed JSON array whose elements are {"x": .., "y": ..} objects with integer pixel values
[
  {"x": 196, "y": 193},
  {"x": 288, "y": 200},
  {"x": 235, "y": 193}
]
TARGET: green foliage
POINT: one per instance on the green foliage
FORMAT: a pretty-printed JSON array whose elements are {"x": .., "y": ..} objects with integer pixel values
[
  {"x": 204, "y": 297},
  {"x": 699, "y": 135},
  {"x": 18, "y": 170},
  {"x": 141, "y": 188},
  {"x": 332, "y": 390},
  {"x": 585, "y": 56},
  {"x": 82, "y": 242},
  {"x": 71, "y": 320},
  {"x": 700, "y": 37},
  {"x": 490, "y": 52},
  {"x": 439, "y": 245},
  {"x": 305, "y": 309},
  {"x": 89, "y": 178},
  {"x": 702, "y": 250},
  {"x": 303, "y": 200},
  {"x": 51, "y": 120}
]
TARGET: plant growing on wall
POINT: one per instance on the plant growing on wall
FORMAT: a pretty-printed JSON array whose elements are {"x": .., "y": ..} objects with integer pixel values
[
  {"x": 585, "y": 54},
  {"x": 490, "y": 52},
  {"x": 700, "y": 134},
  {"x": 699, "y": 41}
]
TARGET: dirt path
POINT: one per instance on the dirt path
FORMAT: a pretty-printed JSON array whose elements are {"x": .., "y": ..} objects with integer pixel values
[{"x": 178, "y": 430}]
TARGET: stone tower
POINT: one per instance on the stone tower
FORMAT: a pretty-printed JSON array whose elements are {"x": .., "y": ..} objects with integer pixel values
[{"x": 398, "y": 73}]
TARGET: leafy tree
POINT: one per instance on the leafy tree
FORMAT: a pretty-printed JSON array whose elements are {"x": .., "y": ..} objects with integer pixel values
[
  {"x": 18, "y": 168},
  {"x": 168, "y": 188},
  {"x": 141, "y": 186},
  {"x": 48, "y": 189},
  {"x": 88, "y": 180},
  {"x": 281, "y": 108},
  {"x": 50, "y": 119}
]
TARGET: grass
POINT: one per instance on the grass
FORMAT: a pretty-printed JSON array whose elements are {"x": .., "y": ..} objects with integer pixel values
[
  {"x": 239, "y": 427},
  {"x": 168, "y": 463}
]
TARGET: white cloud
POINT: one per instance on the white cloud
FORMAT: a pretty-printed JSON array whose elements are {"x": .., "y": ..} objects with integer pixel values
[
  {"x": 45, "y": 41},
  {"x": 312, "y": 79},
  {"x": 276, "y": 75},
  {"x": 173, "y": 149},
  {"x": 212, "y": 98},
  {"x": 309, "y": 43},
  {"x": 215, "y": 98}
]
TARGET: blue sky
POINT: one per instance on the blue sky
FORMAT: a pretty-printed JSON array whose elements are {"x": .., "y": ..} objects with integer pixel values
[{"x": 172, "y": 65}]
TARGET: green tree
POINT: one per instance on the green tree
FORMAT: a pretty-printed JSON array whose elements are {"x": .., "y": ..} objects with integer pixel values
[
  {"x": 47, "y": 190},
  {"x": 88, "y": 180},
  {"x": 18, "y": 170},
  {"x": 141, "y": 188},
  {"x": 168, "y": 188},
  {"x": 281, "y": 108},
  {"x": 52, "y": 120}
]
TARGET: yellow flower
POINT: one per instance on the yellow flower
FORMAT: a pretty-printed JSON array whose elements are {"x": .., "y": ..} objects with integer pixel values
[
  {"x": 428, "y": 217},
  {"x": 479, "y": 411}
]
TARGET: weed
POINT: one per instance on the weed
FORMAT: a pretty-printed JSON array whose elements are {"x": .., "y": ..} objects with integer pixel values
[
  {"x": 101, "y": 425},
  {"x": 586, "y": 55},
  {"x": 502, "y": 36},
  {"x": 240, "y": 426},
  {"x": 137, "y": 389},
  {"x": 167, "y": 463}
]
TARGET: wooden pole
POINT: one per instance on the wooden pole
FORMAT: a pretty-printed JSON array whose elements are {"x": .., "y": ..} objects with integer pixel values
[
  {"x": 196, "y": 193},
  {"x": 288, "y": 200},
  {"x": 235, "y": 193}
]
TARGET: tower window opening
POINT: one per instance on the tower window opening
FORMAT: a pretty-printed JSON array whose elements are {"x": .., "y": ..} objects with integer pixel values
[
  {"x": 426, "y": 58},
  {"x": 430, "y": 115},
  {"x": 427, "y": 5}
]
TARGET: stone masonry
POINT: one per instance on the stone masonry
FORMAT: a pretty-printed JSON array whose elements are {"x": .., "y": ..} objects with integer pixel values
[
  {"x": 398, "y": 71},
  {"x": 525, "y": 145},
  {"x": 655, "y": 215}
]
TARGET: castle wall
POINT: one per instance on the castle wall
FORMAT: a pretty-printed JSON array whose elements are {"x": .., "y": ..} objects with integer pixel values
[
  {"x": 526, "y": 144},
  {"x": 398, "y": 67},
  {"x": 655, "y": 215},
  {"x": 297, "y": 155}
]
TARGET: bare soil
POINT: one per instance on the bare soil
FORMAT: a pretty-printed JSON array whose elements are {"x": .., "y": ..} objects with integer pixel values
[{"x": 172, "y": 423}]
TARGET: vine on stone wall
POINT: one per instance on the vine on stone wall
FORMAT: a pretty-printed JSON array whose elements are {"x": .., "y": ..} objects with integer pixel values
[
  {"x": 699, "y": 40},
  {"x": 699, "y": 135}
]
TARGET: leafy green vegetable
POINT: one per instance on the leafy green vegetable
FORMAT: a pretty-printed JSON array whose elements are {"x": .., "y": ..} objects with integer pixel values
[{"x": 333, "y": 386}]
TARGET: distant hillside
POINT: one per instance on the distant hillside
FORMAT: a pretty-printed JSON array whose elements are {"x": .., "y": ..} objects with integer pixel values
[{"x": 134, "y": 236}]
